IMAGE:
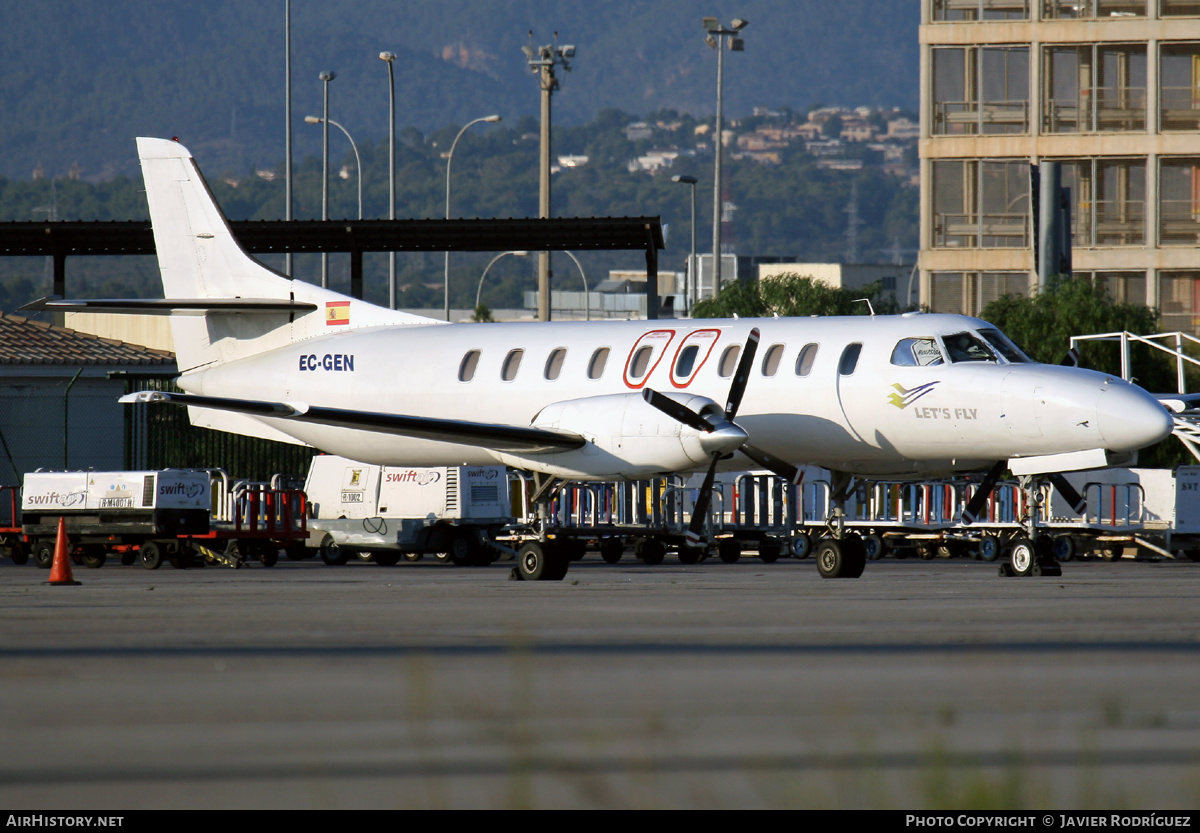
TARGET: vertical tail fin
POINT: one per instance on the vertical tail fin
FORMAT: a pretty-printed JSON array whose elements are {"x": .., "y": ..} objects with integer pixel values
[{"x": 199, "y": 258}]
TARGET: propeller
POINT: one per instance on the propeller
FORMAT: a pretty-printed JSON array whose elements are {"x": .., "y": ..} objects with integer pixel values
[{"x": 709, "y": 424}]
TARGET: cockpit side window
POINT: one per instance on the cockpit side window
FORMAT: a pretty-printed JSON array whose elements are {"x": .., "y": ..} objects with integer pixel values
[
  {"x": 1004, "y": 346},
  {"x": 917, "y": 352},
  {"x": 967, "y": 347}
]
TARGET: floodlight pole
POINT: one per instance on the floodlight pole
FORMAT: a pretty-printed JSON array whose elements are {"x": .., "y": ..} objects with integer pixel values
[
  {"x": 542, "y": 62},
  {"x": 389, "y": 58},
  {"x": 716, "y": 40}
]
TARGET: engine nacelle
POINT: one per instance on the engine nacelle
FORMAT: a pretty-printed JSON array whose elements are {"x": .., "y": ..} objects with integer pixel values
[{"x": 626, "y": 438}]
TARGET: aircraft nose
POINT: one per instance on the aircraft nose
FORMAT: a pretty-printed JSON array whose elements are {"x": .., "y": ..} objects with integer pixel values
[{"x": 1129, "y": 418}]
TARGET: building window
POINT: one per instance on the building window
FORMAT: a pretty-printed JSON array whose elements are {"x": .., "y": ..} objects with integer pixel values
[
  {"x": 1179, "y": 8},
  {"x": 1179, "y": 301},
  {"x": 1092, "y": 9},
  {"x": 1108, "y": 201},
  {"x": 980, "y": 203},
  {"x": 1179, "y": 86},
  {"x": 1179, "y": 201},
  {"x": 1121, "y": 287},
  {"x": 967, "y": 293},
  {"x": 956, "y": 10},
  {"x": 1094, "y": 87},
  {"x": 982, "y": 89}
]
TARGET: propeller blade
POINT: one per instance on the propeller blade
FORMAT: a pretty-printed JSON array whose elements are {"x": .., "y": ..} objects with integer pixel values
[
  {"x": 700, "y": 510},
  {"x": 772, "y": 463},
  {"x": 1071, "y": 359},
  {"x": 742, "y": 375},
  {"x": 1064, "y": 487},
  {"x": 971, "y": 513},
  {"x": 676, "y": 411}
]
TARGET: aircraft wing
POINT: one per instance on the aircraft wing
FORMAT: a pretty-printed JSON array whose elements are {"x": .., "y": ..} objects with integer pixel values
[
  {"x": 169, "y": 306},
  {"x": 512, "y": 438}
]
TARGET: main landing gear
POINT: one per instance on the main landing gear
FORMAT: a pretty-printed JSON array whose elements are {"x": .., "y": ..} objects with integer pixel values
[{"x": 546, "y": 558}]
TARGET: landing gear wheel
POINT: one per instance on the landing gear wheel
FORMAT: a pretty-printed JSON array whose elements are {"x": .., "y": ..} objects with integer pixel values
[
  {"x": 1112, "y": 552},
  {"x": 1022, "y": 557},
  {"x": 541, "y": 562},
  {"x": 729, "y": 550},
  {"x": 769, "y": 550},
  {"x": 690, "y": 555},
  {"x": 332, "y": 554},
  {"x": 386, "y": 558},
  {"x": 651, "y": 551},
  {"x": 989, "y": 547},
  {"x": 150, "y": 556},
  {"x": 841, "y": 559},
  {"x": 801, "y": 545},
  {"x": 268, "y": 554},
  {"x": 128, "y": 557},
  {"x": 874, "y": 547},
  {"x": 43, "y": 554},
  {"x": 413, "y": 557},
  {"x": 611, "y": 550}
]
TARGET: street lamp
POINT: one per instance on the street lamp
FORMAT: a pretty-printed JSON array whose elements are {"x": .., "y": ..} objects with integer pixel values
[
  {"x": 716, "y": 40},
  {"x": 479, "y": 290},
  {"x": 357, "y": 159},
  {"x": 687, "y": 281},
  {"x": 449, "y": 162},
  {"x": 587, "y": 301},
  {"x": 325, "y": 77},
  {"x": 389, "y": 58}
]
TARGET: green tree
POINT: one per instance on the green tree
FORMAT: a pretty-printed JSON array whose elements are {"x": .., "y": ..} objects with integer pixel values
[{"x": 790, "y": 294}]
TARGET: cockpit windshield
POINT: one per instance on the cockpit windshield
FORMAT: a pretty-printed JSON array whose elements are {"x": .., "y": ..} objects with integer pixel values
[
  {"x": 1004, "y": 346},
  {"x": 968, "y": 347}
]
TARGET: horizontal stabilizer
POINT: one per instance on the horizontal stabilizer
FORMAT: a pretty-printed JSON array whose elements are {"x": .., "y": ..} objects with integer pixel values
[
  {"x": 511, "y": 438},
  {"x": 169, "y": 306},
  {"x": 1177, "y": 403}
]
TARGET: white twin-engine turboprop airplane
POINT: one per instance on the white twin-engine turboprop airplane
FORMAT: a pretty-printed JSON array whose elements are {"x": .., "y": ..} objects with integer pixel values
[{"x": 911, "y": 395}]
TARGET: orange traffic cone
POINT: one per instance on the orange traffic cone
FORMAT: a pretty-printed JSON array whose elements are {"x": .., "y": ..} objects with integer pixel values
[{"x": 60, "y": 572}]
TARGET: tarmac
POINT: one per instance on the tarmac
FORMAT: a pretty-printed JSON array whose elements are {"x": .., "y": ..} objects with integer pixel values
[{"x": 922, "y": 685}]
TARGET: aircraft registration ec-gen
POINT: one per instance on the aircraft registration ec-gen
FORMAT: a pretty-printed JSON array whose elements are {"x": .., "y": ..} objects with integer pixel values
[{"x": 912, "y": 395}]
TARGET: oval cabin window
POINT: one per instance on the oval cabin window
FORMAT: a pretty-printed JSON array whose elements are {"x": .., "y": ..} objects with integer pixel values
[
  {"x": 512, "y": 362},
  {"x": 466, "y": 370},
  {"x": 596, "y": 365},
  {"x": 555, "y": 362}
]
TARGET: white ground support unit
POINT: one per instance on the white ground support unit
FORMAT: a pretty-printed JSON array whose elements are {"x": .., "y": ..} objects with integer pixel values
[
  {"x": 100, "y": 507},
  {"x": 391, "y": 512}
]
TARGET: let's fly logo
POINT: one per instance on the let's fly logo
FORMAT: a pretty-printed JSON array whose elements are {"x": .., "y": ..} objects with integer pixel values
[{"x": 903, "y": 397}]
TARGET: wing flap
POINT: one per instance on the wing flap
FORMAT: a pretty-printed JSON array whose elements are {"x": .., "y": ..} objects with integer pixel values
[{"x": 512, "y": 438}]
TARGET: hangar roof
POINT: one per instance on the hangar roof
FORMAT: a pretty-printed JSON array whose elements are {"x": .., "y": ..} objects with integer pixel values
[{"x": 25, "y": 341}]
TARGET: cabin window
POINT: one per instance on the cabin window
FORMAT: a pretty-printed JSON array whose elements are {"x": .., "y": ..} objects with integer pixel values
[
  {"x": 804, "y": 361},
  {"x": 770, "y": 363},
  {"x": 729, "y": 360},
  {"x": 686, "y": 360},
  {"x": 555, "y": 362},
  {"x": 512, "y": 362},
  {"x": 596, "y": 365},
  {"x": 466, "y": 370},
  {"x": 916, "y": 352},
  {"x": 641, "y": 361},
  {"x": 849, "y": 359},
  {"x": 967, "y": 347}
]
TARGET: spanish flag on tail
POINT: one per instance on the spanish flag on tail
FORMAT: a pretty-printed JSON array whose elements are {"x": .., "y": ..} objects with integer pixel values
[{"x": 337, "y": 312}]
